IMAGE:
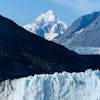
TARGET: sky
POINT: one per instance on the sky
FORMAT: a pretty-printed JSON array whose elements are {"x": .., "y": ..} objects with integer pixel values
[{"x": 25, "y": 11}]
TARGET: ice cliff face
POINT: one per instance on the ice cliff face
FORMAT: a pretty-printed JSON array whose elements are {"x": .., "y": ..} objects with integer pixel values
[{"x": 58, "y": 86}]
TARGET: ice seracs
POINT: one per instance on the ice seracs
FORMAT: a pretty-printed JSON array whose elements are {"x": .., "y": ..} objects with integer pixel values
[
  {"x": 58, "y": 86},
  {"x": 47, "y": 25}
]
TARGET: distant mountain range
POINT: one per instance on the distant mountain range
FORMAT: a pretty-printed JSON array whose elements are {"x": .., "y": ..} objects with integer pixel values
[{"x": 84, "y": 32}]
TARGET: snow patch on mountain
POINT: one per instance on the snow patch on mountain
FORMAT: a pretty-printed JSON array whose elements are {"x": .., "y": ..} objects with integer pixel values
[
  {"x": 58, "y": 86},
  {"x": 80, "y": 31},
  {"x": 47, "y": 25}
]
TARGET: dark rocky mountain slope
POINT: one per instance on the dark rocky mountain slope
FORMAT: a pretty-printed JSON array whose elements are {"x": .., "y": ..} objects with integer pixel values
[{"x": 23, "y": 53}]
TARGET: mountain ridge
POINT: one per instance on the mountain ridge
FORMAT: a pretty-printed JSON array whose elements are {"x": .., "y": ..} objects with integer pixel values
[{"x": 84, "y": 32}]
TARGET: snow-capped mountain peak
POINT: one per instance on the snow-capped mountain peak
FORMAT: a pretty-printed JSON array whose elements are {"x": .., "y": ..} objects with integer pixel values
[
  {"x": 46, "y": 17},
  {"x": 50, "y": 12},
  {"x": 47, "y": 25}
]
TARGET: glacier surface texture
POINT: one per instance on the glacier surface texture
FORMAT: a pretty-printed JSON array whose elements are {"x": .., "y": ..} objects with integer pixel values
[{"x": 58, "y": 86}]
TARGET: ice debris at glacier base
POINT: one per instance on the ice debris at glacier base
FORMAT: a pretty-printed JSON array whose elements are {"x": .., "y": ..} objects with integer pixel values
[{"x": 58, "y": 86}]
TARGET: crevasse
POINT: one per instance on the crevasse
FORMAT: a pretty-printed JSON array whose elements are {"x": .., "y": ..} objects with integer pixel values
[{"x": 58, "y": 86}]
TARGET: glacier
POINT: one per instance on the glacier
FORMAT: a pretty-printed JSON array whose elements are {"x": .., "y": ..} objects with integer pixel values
[
  {"x": 57, "y": 86},
  {"x": 85, "y": 50}
]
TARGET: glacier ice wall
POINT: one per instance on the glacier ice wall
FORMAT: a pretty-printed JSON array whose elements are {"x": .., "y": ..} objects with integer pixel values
[{"x": 58, "y": 86}]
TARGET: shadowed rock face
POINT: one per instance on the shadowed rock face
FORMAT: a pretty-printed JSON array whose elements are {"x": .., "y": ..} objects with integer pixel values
[{"x": 23, "y": 53}]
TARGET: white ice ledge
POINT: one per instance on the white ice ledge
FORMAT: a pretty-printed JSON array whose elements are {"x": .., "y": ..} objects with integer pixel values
[{"x": 58, "y": 86}]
